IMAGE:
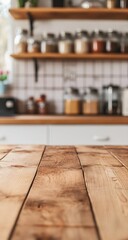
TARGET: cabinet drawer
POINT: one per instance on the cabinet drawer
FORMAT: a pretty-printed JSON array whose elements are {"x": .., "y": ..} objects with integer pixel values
[
  {"x": 89, "y": 134},
  {"x": 23, "y": 134}
]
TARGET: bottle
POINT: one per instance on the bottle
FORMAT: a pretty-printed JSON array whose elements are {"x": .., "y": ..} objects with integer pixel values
[
  {"x": 31, "y": 3},
  {"x": 20, "y": 41},
  {"x": 30, "y": 106},
  {"x": 58, "y": 3},
  {"x": 82, "y": 42},
  {"x": 41, "y": 105}
]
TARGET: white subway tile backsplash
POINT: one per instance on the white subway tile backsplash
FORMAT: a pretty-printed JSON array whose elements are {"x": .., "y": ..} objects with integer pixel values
[{"x": 55, "y": 76}]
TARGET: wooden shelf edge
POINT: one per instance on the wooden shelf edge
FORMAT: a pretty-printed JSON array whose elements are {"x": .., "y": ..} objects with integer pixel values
[
  {"x": 104, "y": 56},
  {"x": 54, "y": 119},
  {"x": 70, "y": 13}
]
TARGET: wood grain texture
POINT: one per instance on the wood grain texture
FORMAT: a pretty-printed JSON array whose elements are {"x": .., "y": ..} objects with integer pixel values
[
  {"x": 56, "y": 233},
  {"x": 4, "y": 150},
  {"x": 120, "y": 153},
  {"x": 107, "y": 186},
  {"x": 78, "y": 192},
  {"x": 62, "y": 119},
  {"x": 70, "y": 13},
  {"x": 57, "y": 200},
  {"x": 17, "y": 171},
  {"x": 56, "y": 56}
]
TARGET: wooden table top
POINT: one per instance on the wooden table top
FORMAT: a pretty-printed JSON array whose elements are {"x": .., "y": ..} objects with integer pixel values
[{"x": 64, "y": 193}]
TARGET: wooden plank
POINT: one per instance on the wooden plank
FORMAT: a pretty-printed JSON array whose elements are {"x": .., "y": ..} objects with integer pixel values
[
  {"x": 58, "y": 199},
  {"x": 70, "y": 13},
  {"x": 17, "y": 171},
  {"x": 120, "y": 153},
  {"x": 108, "y": 196},
  {"x": 71, "y": 56},
  {"x": 91, "y": 149},
  {"x": 62, "y": 119},
  {"x": 91, "y": 159},
  {"x": 4, "y": 150},
  {"x": 53, "y": 233},
  {"x": 66, "y": 157}
]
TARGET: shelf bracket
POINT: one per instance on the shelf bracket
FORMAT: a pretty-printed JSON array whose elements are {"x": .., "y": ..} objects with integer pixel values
[
  {"x": 31, "y": 23},
  {"x": 36, "y": 67}
]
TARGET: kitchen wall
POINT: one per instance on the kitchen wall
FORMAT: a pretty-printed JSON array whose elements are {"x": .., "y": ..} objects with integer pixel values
[{"x": 54, "y": 75}]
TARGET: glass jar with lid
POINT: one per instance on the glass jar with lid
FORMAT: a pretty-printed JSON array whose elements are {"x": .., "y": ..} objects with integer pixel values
[
  {"x": 82, "y": 42},
  {"x": 124, "y": 43},
  {"x": 20, "y": 41},
  {"x": 49, "y": 43},
  {"x": 72, "y": 101},
  {"x": 113, "y": 42},
  {"x": 34, "y": 44},
  {"x": 65, "y": 43},
  {"x": 111, "y": 99},
  {"x": 92, "y": 4},
  {"x": 98, "y": 42},
  {"x": 111, "y": 3},
  {"x": 90, "y": 104}
]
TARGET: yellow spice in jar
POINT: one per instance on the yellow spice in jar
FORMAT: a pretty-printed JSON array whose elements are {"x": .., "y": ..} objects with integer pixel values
[{"x": 72, "y": 107}]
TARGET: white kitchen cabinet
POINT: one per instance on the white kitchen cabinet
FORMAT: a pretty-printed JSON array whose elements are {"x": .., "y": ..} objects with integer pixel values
[
  {"x": 23, "y": 134},
  {"x": 88, "y": 134}
]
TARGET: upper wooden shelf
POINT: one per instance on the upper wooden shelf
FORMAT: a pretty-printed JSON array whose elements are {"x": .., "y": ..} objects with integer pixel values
[
  {"x": 70, "y": 13},
  {"x": 91, "y": 56}
]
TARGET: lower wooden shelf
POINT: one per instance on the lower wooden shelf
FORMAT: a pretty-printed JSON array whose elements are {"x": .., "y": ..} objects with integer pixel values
[
  {"x": 91, "y": 56},
  {"x": 62, "y": 119}
]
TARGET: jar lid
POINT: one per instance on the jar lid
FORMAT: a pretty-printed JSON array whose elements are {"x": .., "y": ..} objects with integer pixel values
[
  {"x": 114, "y": 87},
  {"x": 72, "y": 90},
  {"x": 82, "y": 33},
  {"x": 90, "y": 90},
  {"x": 65, "y": 35},
  {"x": 50, "y": 35},
  {"x": 98, "y": 33},
  {"x": 22, "y": 31}
]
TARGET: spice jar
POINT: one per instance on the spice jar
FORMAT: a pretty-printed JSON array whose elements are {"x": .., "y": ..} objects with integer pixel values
[
  {"x": 41, "y": 105},
  {"x": 92, "y": 4},
  {"x": 49, "y": 43},
  {"x": 58, "y": 3},
  {"x": 124, "y": 43},
  {"x": 65, "y": 43},
  {"x": 31, "y": 3},
  {"x": 21, "y": 41},
  {"x": 82, "y": 42},
  {"x": 98, "y": 42},
  {"x": 72, "y": 101},
  {"x": 30, "y": 106},
  {"x": 123, "y": 3},
  {"x": 111, "y": 100},
  {"x": 111, "y": 3},
  {"x": 90, "y": 104},
  {"x": 125, "y": 102},
  {"x": 113, "y": 42},
  {"x": 33, "y": 44}
]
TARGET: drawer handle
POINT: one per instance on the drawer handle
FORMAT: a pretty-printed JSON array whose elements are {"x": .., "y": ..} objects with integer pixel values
[
  {"x": 101, "y": 139},
  {"x": 2, "y": 139}
]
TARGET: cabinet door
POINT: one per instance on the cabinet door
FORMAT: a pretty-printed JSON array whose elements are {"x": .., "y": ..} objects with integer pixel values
[
  {"x": 23, "y": 134},
  {"x": 89, "y": 134}
]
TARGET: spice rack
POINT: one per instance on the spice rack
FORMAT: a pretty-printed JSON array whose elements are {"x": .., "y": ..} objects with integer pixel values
[
  {"x": 33, "y": 14},
  {"x": 40, "y": 13}
]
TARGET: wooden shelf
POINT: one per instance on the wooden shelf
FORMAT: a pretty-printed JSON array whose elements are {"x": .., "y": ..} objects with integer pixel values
[
  {"x": 70, "y": 13},
  {"x": 62, "y": 119},
  {"x": 90, "y": 56}
]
